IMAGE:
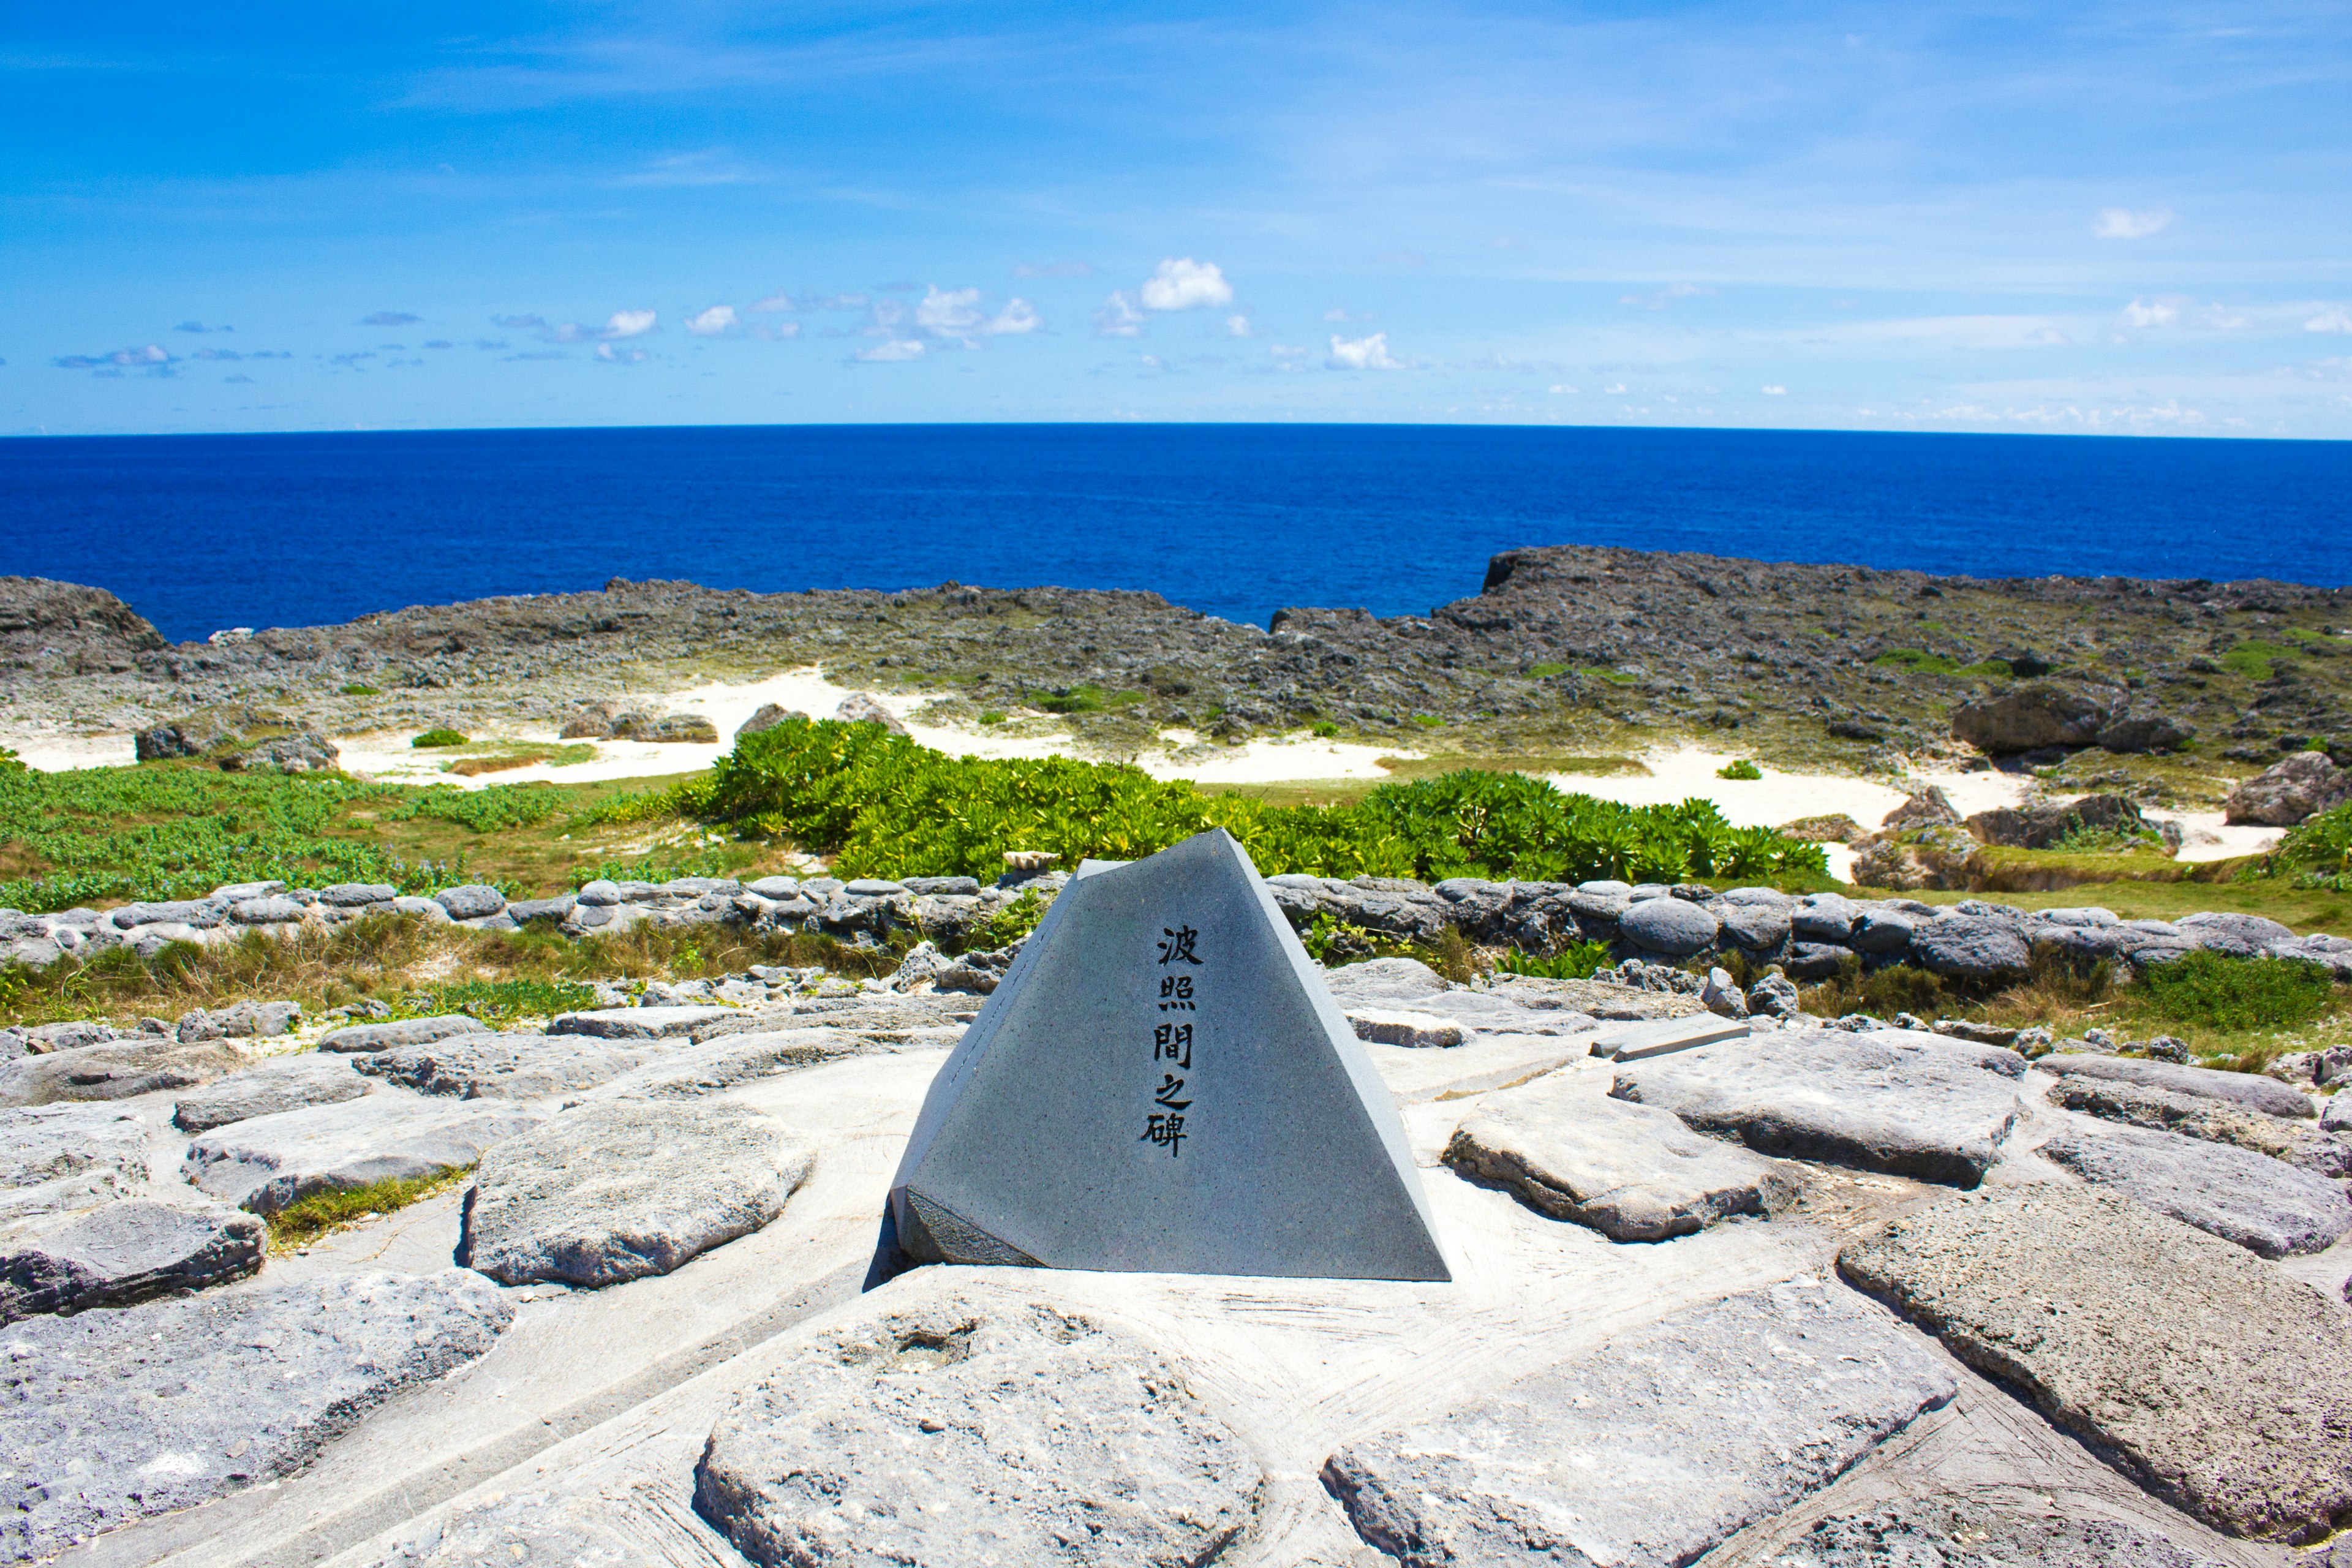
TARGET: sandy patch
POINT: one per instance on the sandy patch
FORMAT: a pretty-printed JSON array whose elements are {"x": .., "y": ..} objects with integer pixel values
[
  {"x": 2205, "y": 836},
  {"x": 56, "y": 753}
]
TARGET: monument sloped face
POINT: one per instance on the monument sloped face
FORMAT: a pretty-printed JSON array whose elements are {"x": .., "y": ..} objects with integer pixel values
[{"x": 1163, "y": 1083}]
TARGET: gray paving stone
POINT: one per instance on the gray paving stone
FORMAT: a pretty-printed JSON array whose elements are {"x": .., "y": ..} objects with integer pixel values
[
  {"x": 270, "y": 1162},
  {"x": 1242, "y": 1128},
  {"x": 624, "y": 1189},
  {"x": 2217, "y": 1120},
  {"x": 2263, "y": 1205},
  {"x": 122, "y": 1253},
  {"x": 1911, "y": 1104},
  {"x": 2208, "y": 1375},
  {"x": 960, "y": 1435},
  {"x": 2251, "y": 1090},
  {"x": 115, "y": 1071},
  {"x": 1661, "y": 1036},
  {"x": 107, "y": 1417},
  {"x": 1405, "y": 1027},
  {"x": 401, "y": 1032},
  {"x": 1962, "y": 1532},
  {"x": 639, "y": 1023},
  {"x": 1652, "y": 1449},
  {"x": 1380, "y": 980},
  {"x": 691, "y": 1071},
  {"x": 282, "y": 1083},
  {"x": 1631, "y": 1171},
  {"x": 39, "y": 1145},
  {"x": 506, "y": 1067}
]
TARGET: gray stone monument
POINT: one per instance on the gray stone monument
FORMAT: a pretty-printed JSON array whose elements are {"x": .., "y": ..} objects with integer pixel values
[{"x": 1163, "y": 1083}]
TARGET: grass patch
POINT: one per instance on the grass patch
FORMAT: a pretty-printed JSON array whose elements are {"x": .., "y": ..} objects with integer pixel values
[
  {"x": 1741, "y": 769},
  {"x": 2318, "y": 854},
  {"x": 504, "y": 1001},
  {"x": 492, "y": 810},
  {"x": 507, "y": 758},
  {"x": 2254, "y": 658},
  {"x": 1614, "y": 677},
  {"x": 356, "y": 689},
  {"x": 299, "y": 1223},
  {"x": 2232, "y": 995},
  {"x": 1546, "y": 671},
  {"x": 1534, "y": 764},
  {"x": 437, "y": 738},
  {"x": 991, "y": 716},
  {"x": 1921, "y": 662},
  {"x": 1324, "y": 730}
]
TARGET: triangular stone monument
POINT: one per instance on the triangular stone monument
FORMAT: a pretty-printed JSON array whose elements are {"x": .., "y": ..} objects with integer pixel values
[{"x": 1162, "y": 1082}]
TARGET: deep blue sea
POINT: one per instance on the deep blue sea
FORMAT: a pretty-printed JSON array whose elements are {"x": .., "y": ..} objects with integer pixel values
[{"x": 199, "y": 533}]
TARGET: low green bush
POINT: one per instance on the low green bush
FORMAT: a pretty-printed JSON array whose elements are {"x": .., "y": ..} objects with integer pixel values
[
  {"x": 356, "y": 689},
  {"x": 883, "y": 804},
  {"x": 991, "y": 716},
  {"x": 1326, "y": 730},
  {"x": 1741, "y": 769},
  {"x": 503, "y": 1001},
  {"x": 439, "y": 738},
  {"x": 2320, "y": 852},
  {"x": 492, "y": 810},
  {"x": 2217, "y": 991},
  {"x": 1577, "y": 961}
]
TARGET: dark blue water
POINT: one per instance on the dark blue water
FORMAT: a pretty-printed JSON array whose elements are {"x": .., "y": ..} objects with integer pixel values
[{"x": 204, "y": 531}]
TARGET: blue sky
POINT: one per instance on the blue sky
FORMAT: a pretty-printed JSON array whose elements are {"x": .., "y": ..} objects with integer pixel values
[{"x": 2089, "y": 218}]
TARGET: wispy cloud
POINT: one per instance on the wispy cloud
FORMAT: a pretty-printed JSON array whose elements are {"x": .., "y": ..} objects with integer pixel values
[
  {"x": 717, "y": 321},
  {"x": 390, "y": 319},
  {"x": 150, "y": 358},
  {"x": 1119, "y": 318},
  {"x": 2151, "y": 313},
  {"x": 620, "y": 324},
  {"x": 199, "y": 327},
  {"x": 611, "y": 356},
  {"x": 1237, "y": 325},
  {"x": 2122, "y": 222},
  {"x": 782, "y": 301},
  {"x": 2330, "y": 319},
  {"x": 893, "y": 350}
]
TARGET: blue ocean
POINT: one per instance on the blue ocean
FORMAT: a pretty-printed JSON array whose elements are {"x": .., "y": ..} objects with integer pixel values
[{"x": 199, "y": 533}]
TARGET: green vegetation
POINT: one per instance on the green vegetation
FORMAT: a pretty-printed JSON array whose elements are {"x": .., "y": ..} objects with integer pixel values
[
  {"x": 1429, "y": 721},
  {"x": 432, "y": 738},
  {"x": 1076, "y": 699},
  {"x": 2213, "y": 991},
  {"x": 1577, "y": 961},
  {"x": 356, "y": 689},
  {"x": 2254, "y": 658},
  {"x": 2318, "y": 854},
  {"x": 1325, "y": 729},
  {"x": 1614, "y": 677},
  {"x": 1921, "y": 662},
  {"x": 301, "y": 1223},
  {"x": 992, "y": 717},
  {"x": 502, "y": 758},
  {"x": 880, "y": 803},
  {"x": 1007, "y": 925},
  {"x": 492, "y": 810},
  {"x": 1545, "y": 671},
  {"x": 1741, "y": 769},
  {"x": 502, "y": 1001}
]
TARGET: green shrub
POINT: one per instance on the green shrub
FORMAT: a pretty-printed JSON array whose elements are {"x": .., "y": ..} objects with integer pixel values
[
  {"x": 439, "y": 738},
  {"x": 10, "y": 763},
  {"x": 1741, "y": 769},
  {"x": 1326, "y": 730},
  {"x": 1007, "y": 925},
  {"x": 2320, "y": 849},
  {"x": 356, "y": 689},
  {"x": 1076, "y": 699},
  {"x": 992, "y": 717},
  {"x": 1545, "y": 671},
  {"x": 881, "y": 803},
  {"x": 503, "y": 1001},
  {"x": 492, "y": 810},
  {"x": 1429, "y": 721},
  {"x": 2219, "y": 991},
  {"x": 1577, "y": 961},
  {"x": 688, "y": 797}
]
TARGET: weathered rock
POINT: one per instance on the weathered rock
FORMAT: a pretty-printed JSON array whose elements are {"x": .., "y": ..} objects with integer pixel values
[
  {"x": 1673, "y": 927},
  {"x": 1836, "y": 828},
  {"x": 1965, "y": 1532},
  {"x": 285, "y": 1083},
  {"x": 693, "y": 729},
  {"x": 1659, "y": 1037},
  {"x": 404, "y": 1032},
  {"x": 1654, "y": 1448},
  {"x": 358, "y": 895},
  {"x": 120, "y": 1253},
  {"x": 502, "y": 1067},
  {"x": 2216, "y": 1120},
  {"x": 1758, "y": 927},
  {"x": 770, "y": 715},
  {"x": 2251, "y": 1090},
  {"x": 864, "y": 708},
  {"x": 1381, "y": 981},
  {"x": 2263, "y": 1205},
  {"x": 627, "y": 1188},
  {"x": 1915, "y": 1105},
  {"x": 2211, "y": 1378},
  {"x": 639, "y": 1023},
  {"x": 2031, "y": 716},
  {"x": 69, "y": 1037},
  {"x": 957, "y": 1436},
  {"x": 39, "y": 1145},
  {"x": 690, "y": 1071},
  {"x": 470, "y": 903},
  {"x": 1404, "y": 1026},
  {"x": 1928, "y": 807},
  {"x": 2240, "y": 936},
  {"x": 270, "y": 1161},
  {"x": 2042, "y": 824},
  {"x": 108, "y": 1418},
  {"x": 115, "y": 1071},
  {"x": 305, "y": 752},
  {"x": 1631, "y": 1171},
  {"x": 2289, "y": 791},
  {"x": 1975, "y": 952}
]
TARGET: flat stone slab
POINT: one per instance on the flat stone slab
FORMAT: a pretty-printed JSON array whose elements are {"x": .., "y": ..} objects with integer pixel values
[
  {"x": 1909, "y": 1104},
  {"x": 2263, "y": 1205},
  {"x": 1651, "y": 1449},
  {"x": 505, "y": 1067},
  {"x": 39, "y": 1145},
  {"x": 1385, "y": 981},
  {"x": 691, "y": 1071},
  {"x": 639, "y": 1023},
  {"x": 2250, "y": 1090},
  {"x": 2208, "y": 1376},
  {"x": 961, "y": 1435},
  {"x": 1662, "y": 1036},
  {"x": 1405, "y": 1027},
  {"x": 2215, "y": 1121},
  {"x": 1633, "y": 1173},
  {"x": 123, "y": 1253},
  {"x": 402, "y": 1032},
  {"x": 108, "y": 1418},
  {"x": 270, "y": 1161},
  {"x": 1938, "y": 1533},
  {"x": 116, "y": 1071},
  {"x": 282, "y": 1083},
  {"x": 618, "y": 1190}
]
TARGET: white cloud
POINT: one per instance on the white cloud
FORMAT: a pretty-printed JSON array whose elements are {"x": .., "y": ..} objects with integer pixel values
[
  {"x": 151, "y": 358},
  {"x": 1017, "y": 317},
  {"x": 1564, "y": 387},
  {"x": 1614, "y": 389},
  {"x": 628, "y": 324},
  {"x": 1119, "y": 318},
  {"x": 718, "y": 321},
  {"x": 948, "y": 313},
  {"x": 1361, "y": 353},
  {"x": 1237, "y": 325},
  {"x": 2159, "y": 314},
  {"x": 896, "y": 348},
  {"x": 1664, "y": 296},
  {"x": 611, "y": 356},
  {"x": 1184, "y": 284},
  {"x": 1153, "y": 362},
  {"x": 1776, "y": 392},
  {"x": 777, "y": 333},
  {"x": 2333, "y": 318},
  {"x": 2122, "y": 222}
]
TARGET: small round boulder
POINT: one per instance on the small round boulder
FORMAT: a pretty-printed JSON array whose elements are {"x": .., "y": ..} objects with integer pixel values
[{"x": 1673, "y": 927}]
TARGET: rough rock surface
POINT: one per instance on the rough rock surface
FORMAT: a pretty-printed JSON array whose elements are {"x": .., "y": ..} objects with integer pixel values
[
  {"x": 110, "y": 1417},
  {"x": 44, "y": 1143},
  {"x": 115, "y": 1071},
  {"x": 1652, "y": 1449},
  {"x": 283, "y": 1083},
  {"x": 2263, "y": 1205},
  {"x": 2250, "y": 1090},
  {"x": 1633, "y": 1173},
  {"x": 621, "y": 1190},
  {"x": 502, "y": 1067},
  {"x": 962, "y": 1436},
  {"x": 120, "y": 1253},
  {"x": 2289, "y": 791},
  {"x": 691, "y": 1071},
  {"x": 2032, "y": 716},
  {"x": 2161, "y": 1109},
  {"x": 402, "y": 1032},
  {"x": 2217, "y": 1381},
  {"x": 1912, "y": 1104},
  {"x": 639, "y": 1023},
  {"x": 1946, "y": 1533},
  {"x": 270, "y": 1162}
]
